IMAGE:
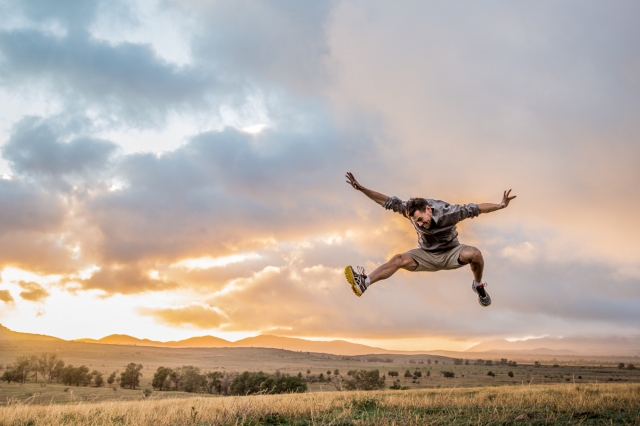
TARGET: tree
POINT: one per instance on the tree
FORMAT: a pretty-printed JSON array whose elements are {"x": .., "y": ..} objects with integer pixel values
[
  {"x": 417, "y": 373},
  {"x": 458, "y": 361},
  {"x": 407, "y": 373},
  {"x": 466, "y": 362},
  {"x": 336, "y": 372},
  {"x": 46, "y": 363},
  {"x": 57, "y": 370},
  {"x": 22, "y": 367},
  {"x": 621, "y": 365},
  {"x": 364, "y": 380},
  {"x": 71, "y": 375},
  {"x": 328, "y": 373},
  {"x": 488, "y": 362},
  {"x": 491, "y": 373},
  {"x": 97, "y": 378},
  {"x": 10, "y": 375},
  {"x": 161, "y": 380},
  {"x": 213, "y": 382},
  {"x": 191, "y": 379},
  {"x": 393, "y": 374},
  {"x": 111, "y": 378},
  {"x": 448, "y": 374},
  {"x": 131, "y": 376},
  {"x": 631, "y": 367},
  {"x": 510, "y": 374}
]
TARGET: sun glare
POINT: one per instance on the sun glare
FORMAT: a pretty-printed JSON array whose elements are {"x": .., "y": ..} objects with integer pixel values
[
  {"x": 208, "y": 262},
  {"x": 255, "y": 129}
]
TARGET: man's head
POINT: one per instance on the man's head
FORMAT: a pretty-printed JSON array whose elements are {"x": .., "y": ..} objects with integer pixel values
[{"x": 419, "y": 211}]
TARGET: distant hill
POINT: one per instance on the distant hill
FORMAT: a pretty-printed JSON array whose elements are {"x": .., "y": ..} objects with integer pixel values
[
  {"x": 574, "y": 345},
  {"x": 6, "y": 334},
  {"x": 337, "y": 347}
]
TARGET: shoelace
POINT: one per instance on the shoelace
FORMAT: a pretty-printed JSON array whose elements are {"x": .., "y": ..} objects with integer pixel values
[{"x": 360, "y": 270}]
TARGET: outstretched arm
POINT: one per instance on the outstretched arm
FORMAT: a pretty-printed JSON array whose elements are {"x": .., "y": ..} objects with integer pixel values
[
  {"x": 490, "y": 207},
  {"x": 375, "y": 196}
]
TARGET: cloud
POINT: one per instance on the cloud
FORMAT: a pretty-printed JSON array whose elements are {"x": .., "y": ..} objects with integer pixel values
[
  {"x": 6, "y": 297},
  {"x": 204, "y": 317},
  {"x": 276, "y": 42},
  {"x": 123, "y": 279},
  {"x": 35, "y": 149},
  {"x": 33, "y": 292}
]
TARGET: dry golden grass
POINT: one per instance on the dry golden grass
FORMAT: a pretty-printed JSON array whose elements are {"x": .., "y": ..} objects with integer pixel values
[{"x": 551, "y": 404}]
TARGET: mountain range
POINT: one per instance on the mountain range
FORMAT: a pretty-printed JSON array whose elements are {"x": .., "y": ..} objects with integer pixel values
[{"x": 545, "y": 346}]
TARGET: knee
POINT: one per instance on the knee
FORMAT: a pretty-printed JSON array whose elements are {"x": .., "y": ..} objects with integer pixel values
[
  {"x": 402, "y": 260},
  {"x": 476, "y": 256}
]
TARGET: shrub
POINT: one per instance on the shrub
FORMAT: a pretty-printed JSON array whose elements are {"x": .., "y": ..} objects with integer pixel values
[
  {"x": 510, "y": 374},
  {"x": 448, "y": 374},
  {"x": 364, "y": 380},
  {"x": 261, "y": 383},
  {"x": 491, "y": 373}
]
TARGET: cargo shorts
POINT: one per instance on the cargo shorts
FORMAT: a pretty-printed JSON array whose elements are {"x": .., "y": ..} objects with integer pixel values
[{"x": 437, "y": 261}]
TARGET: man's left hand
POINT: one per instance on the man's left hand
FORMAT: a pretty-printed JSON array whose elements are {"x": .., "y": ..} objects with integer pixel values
[{"x": 506, "y": 199}]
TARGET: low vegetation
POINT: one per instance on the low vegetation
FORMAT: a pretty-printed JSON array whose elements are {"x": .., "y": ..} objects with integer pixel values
[{"x": 554, "y": 404}]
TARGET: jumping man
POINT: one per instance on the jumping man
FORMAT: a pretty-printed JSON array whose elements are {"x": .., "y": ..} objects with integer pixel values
[{"x": 435, "y": 222}]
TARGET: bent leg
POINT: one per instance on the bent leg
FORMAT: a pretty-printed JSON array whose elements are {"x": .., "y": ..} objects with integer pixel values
[
  {"x": 398, "y": 261},
  {"x": 473, "y": 257}
]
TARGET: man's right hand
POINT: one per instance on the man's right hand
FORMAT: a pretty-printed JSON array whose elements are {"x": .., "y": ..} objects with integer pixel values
[{"x": 353, "y": 182}]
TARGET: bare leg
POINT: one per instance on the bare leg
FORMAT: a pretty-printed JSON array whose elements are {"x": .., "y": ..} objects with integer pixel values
[
  {"x": 473, "y": 257},
  {"x": 398, "y": 261}
]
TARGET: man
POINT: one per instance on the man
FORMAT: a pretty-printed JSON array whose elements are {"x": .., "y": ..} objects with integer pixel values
[{"x": 435, "y": 222}]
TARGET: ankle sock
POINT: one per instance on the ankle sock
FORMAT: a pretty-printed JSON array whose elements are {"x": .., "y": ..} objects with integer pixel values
[{"x": 367, "y": 282}]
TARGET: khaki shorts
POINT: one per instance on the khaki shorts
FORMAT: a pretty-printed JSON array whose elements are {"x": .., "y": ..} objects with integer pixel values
[{"x": 430, "y": 261}]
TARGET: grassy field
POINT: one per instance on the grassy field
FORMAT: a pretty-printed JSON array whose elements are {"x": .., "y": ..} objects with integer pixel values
[
  {"x": 109, "y": 358},
  {"x": 524, "y": 404}
]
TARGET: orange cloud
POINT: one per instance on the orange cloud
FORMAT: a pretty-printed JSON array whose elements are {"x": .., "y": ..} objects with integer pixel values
[
  {"x": 124, "y": 279},
  {"x": 193, "y": 315},
  {"x": 33, "y": 292},
  {"x": 5, "y": 296}
]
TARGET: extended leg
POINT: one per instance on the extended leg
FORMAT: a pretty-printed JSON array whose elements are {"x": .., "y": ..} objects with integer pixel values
[
  {"x": 398, "y": 261},
  {"x": 473, "y": 257}
]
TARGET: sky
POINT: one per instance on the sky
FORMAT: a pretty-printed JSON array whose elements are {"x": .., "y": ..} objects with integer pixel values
[{"x": 173, "y": 169}]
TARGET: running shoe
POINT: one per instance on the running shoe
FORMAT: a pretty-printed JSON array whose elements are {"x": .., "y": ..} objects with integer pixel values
[
  {"x": 483, "y": 296},
  {"x": 356, "y": 279}
]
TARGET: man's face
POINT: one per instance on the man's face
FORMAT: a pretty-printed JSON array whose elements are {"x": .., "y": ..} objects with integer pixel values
[{"x": 423, "y": 218}]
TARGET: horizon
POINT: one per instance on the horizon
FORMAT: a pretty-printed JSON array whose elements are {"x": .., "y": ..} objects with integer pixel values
[{"x": 176, "y": 169}]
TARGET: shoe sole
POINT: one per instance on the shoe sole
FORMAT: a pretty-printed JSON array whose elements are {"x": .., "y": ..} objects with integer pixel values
[
  {"x": 348, "y": 273},
  {"x": 475, "y": 290}
]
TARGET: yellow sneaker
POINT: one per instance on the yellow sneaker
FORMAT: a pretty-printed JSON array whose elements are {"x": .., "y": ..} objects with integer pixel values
[{"x": 356, "y": 279}]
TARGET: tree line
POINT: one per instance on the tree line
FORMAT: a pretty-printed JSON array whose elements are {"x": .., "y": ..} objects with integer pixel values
[
  {"x": 190, "y": 379},
  {"x": 49, "y": 367}
]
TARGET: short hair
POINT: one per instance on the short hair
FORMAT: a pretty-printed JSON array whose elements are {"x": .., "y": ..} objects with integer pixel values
[{"x": 416, "y": 204}]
